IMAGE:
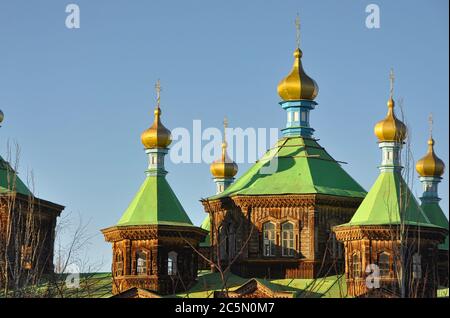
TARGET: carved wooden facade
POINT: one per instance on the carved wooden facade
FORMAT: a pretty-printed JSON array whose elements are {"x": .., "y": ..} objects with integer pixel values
[
  {"x": 158, "y": 258},
  {"x": 307, "y": 249},
  {"x": 27, "y": 234},
  {"x": 366, "y": 246}
]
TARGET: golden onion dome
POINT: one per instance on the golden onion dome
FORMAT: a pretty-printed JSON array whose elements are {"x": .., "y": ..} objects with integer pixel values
[
  {"x": 390, "y": 128},
  {"x": 225, "y": 167},
  {"x": 430, "y": 165},
  {"x": 297, "y": 85},
  {"x": 157, "y": 136}
]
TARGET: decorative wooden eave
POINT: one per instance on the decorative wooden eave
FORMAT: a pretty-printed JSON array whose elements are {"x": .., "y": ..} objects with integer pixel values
[
  {"x": 45, "y": 208},
  {"x": 154, "y": 232},
  {"x": 217, "y": 204},
  {"x": 337, "y": 201},
  {"x": 278, "y": 201},
  {"x": 387, "y": 232}
]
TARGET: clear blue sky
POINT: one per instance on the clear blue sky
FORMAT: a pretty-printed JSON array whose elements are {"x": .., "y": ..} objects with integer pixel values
[{"x": 77, "y": 100}]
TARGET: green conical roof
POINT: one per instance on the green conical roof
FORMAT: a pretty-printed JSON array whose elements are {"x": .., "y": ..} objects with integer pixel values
[
  {"x": 10, "y": 181},
  {"x": 389, "y": 201},
  {"x": 206, "y": 225},
  {"x": 304, "y": 167},
  {"x": 437, "y": 217},
  {"x": 155, "y": 204}
]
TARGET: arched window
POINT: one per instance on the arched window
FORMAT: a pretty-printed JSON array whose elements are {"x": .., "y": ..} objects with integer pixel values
[
  {"x": 384, "y": 264},
  {"x": 417, "y": 266},
  {"x": 287, "y": 241},
  {"x": 172, "y": 263},
  {"x": 119, "y": 264},
  {"x": 269, "y": 239},
  {"x": 141, "y": 262},
  {"x": 356, "y": 265}
]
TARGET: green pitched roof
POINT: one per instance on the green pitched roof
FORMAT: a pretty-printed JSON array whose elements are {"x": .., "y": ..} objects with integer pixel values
[
  {"x": 10, "y": 181},
  {"x": 327, "y": 287},
  {"x": 304, "y": 167},
  {"x": 437, "y": 217},
  {"x": 382, "y": 205},
  {"x": 155, "y": 203},
  {"x": 206, "y": 225}
]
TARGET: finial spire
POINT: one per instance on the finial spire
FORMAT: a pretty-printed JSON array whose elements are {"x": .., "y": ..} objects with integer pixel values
[
  {"x": 158, "y": 92},
  {"x": 297, "y": 29},
  {"x": 391, "y": 80},
  {"x": 225, "y": 126},
  {"x": 224, "y": 143},
  {"x": 430, "y": 123}
]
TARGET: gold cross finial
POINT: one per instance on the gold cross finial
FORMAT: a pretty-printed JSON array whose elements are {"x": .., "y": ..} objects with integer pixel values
[
  {"x": 391, "y": 80},
  {"x": 158, "y": 92},
  {"x": 430, "y": 123},
  {"x": 297, "y": 28},
  {"x": 225, "y": 126}
]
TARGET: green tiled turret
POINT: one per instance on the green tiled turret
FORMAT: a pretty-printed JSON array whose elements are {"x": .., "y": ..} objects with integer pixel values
[
  {"x": 155, "y": 203},
  {"x": 431, "y": 169},
  {"x": 390, "y": 201}
]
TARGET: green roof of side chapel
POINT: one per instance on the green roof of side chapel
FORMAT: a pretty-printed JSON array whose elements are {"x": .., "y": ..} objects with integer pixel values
[
  {"x": 389, "y": 202},
  {"x": 437, "y": 217},
  {"x": 304, "y": 167},
  {"x": 155, "y": 204}
]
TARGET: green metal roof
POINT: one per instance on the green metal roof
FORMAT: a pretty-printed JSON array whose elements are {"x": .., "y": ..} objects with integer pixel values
[
  {"x": 10, "y": 181},
  {"x": 155, "y": 203},
  {"x": 389, "y": 201},
  {"x": 304, "y": 167},
  {"x": 327, "y": 287},
  {"x": 437, "y": 217},
  {"x": 206, "y": 225}
]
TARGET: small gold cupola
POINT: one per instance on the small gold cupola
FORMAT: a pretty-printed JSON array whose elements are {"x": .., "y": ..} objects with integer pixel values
[
  {"x": 157, "y": 136},
  {"x": 224, "y": 168},
  {"x": 430, "y": 165},
  {"x": 297, "y": 85},
  {"x": 390, "y": 128}
]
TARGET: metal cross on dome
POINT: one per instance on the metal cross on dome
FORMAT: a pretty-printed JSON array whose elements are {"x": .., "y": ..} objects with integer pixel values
[
  {"x": 297, "y": 28},
  {"x": 391, "y": 80},
  {"x": 430, "y": 122},
  {"x": 158, "y": 91},
  {"x": 225, "y": 126}
]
